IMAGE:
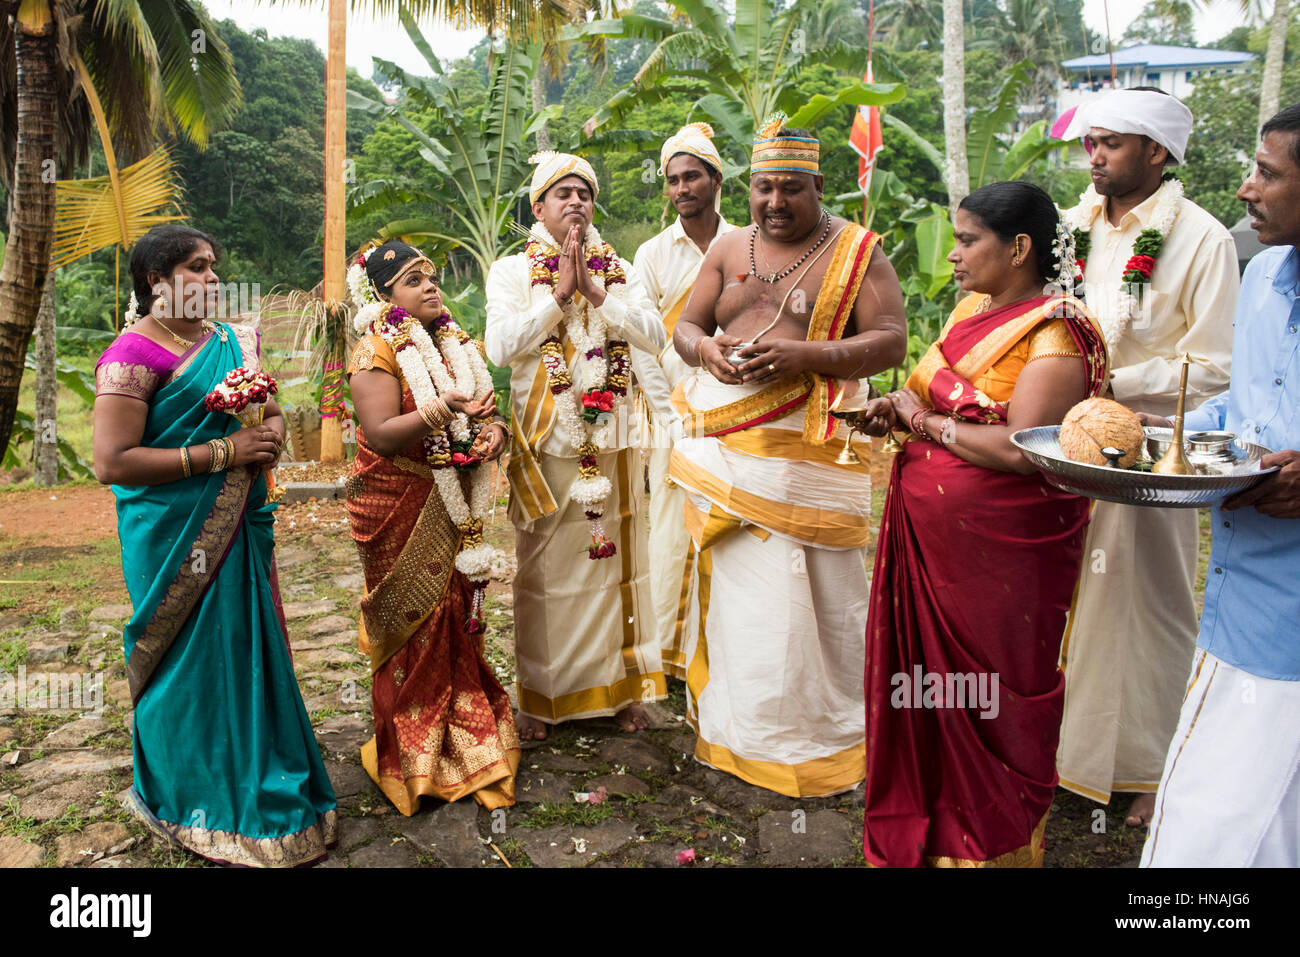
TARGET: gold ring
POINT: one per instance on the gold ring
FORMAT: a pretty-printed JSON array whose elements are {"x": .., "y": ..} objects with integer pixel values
[{"x": 771, "y": 367}]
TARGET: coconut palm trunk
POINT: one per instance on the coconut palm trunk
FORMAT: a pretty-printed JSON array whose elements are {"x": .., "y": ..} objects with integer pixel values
[
  {"x": 27, "y": 253},
  {"x": 539, "y": 104},
  {"x": 331, "y": 438},
  {"x": 47, "y": 389},
  {"x": 954, "y": 103},
  {"x": 1270, "y": 87}
]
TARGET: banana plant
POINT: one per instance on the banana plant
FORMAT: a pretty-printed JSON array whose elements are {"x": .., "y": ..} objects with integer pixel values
[
  {"x": 740, "y": 70},
  {"x": 482, "y": 163},
  {"x": 993, "y": 153}
]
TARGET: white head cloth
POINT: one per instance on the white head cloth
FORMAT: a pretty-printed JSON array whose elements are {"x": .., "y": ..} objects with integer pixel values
[
  {"x": 553, "y": 167},
  {"x": 1157, "y": 115},
  {"x": 695, "y": 139}
]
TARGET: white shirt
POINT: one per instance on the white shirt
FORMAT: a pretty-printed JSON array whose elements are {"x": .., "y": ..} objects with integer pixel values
[
  {"x": 668, "y": 265},
  {"x": 520, "y": 315},
  {"x": 1187, "y": 307}
]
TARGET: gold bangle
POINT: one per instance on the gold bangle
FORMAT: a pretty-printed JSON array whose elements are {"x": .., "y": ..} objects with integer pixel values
[
  {"x": 699, "y": 348},
  {"x": 185, "y": 461},
  {"x": 230, "y": 452},
  {"x": 429, "y": 414},
  {"x": 213, "y": 455}
]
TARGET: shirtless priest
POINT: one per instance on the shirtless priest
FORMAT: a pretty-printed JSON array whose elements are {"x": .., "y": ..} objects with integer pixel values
[
  {"x": 783, "y": 312},
  {"x": 563, "y": 315}
]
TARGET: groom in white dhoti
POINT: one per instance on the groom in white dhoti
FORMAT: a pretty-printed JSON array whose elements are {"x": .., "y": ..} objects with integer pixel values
[
  {"x": 1132, "y": 627},
  {"x": 564, "y": 315}
]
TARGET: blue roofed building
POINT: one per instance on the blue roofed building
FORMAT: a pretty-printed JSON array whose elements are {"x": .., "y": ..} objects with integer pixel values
[{"x": 1172, "y": 69}]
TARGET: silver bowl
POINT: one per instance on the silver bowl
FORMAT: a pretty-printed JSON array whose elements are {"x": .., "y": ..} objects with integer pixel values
[{"x": 1132, "y": 487}]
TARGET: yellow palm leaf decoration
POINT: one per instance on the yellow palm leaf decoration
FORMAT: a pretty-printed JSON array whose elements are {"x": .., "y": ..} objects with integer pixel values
[
  {"x": 93, "y": 214},
  {"x": 113, "y": 210}
]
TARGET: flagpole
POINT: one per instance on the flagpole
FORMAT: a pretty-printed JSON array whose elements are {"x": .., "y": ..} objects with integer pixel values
[{"x": 871, "y": 39}]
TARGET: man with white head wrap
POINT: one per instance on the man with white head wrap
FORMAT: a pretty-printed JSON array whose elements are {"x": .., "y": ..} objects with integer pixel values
[
  {"x": 668, "y": 265},
  {"x": 572, "y": 321},
  {"x": 1129, "y": 642}
]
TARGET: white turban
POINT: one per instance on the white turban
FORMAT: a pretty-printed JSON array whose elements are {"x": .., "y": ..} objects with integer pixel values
[
  {"x": 696, "y": 139},
  {"x": 1156, "y": 115},
  {"x": 553, "y": 167}
]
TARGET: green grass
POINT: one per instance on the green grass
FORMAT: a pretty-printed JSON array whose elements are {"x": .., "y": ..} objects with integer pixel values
[
  {"x": 13, "y": 653},
  {"x": 584, "y": 815},
  {"x": 515, "y": 852},
  {"x": 75, "y": 418}
]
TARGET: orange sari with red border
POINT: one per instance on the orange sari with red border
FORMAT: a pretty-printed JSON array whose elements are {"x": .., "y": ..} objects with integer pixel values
[
  {"x": 974, "y": 574},
  {"x": 443, "y": 722}
]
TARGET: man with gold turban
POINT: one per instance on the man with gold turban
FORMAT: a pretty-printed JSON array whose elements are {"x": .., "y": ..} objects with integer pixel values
[
  {"x": 783, "y": 315},
  {"x": 1160, "y": 274},
  {"x": 572, "y": 321},
  {"x": 668, "y": 265}
]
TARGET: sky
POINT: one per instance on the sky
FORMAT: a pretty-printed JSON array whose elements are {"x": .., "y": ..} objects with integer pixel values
[{"x": 386, "y": 38}]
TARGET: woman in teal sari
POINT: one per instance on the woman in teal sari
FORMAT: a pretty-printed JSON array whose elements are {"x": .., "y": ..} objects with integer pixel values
[{"x": 225, "y": 760}]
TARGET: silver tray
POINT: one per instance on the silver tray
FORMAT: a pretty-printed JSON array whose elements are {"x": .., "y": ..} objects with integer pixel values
[{"x": 1130, "y": 487}]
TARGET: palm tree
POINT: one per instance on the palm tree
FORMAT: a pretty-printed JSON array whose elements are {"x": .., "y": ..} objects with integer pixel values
[
  {"x": 834, "y": 21},
  {"x": 743, "y": 72},
  {"x": 956, "y": 173},
  {"x": 1028, "y": 30},
  {"x": 540, "y": 17},
  {"x": 156, "y": 64},
  {"x": 907, "y": 24},
  {"x": 1278, "y": 18},
  {"x": 482, "y": 163},
  {"x": 1279, "y": 21}
]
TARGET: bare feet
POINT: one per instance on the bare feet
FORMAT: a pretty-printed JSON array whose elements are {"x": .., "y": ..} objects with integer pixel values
[
  {"x": 1141, "y": 810},
  {"x": 633, "y": 718},
  {"x": 529, "y": 728}
]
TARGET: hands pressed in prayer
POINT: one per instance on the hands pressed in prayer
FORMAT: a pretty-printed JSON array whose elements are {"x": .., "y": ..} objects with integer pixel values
[
  {"x": 574, "y": 276},
  {"x": 1278, "y": 496},
  {"x": 566, "y": 280}
]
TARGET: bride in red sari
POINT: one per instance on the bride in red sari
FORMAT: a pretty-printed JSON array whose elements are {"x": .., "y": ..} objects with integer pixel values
[
  {"x": 416, "y": 497},
  {"x": 977, "y": 557}
]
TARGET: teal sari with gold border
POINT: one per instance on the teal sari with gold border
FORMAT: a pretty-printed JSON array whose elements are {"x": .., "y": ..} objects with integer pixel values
[{"x": 226, "y": 763}]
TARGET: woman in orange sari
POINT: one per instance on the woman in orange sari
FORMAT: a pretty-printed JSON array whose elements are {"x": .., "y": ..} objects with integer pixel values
[
  {"x": 419, "y": 489},
  {"x": 977, "y": 555}
]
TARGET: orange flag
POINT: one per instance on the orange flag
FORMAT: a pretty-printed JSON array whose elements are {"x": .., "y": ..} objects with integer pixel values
[{"x": 866, "y": 138}]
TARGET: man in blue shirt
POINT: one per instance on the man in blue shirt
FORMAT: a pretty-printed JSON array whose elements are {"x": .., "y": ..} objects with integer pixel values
[{"x": 1230, "y": 792}]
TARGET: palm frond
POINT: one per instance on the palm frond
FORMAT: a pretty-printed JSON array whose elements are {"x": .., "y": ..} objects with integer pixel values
[
  {"x": 88, "y": 215},
  {"x": 199, "y": 86}
]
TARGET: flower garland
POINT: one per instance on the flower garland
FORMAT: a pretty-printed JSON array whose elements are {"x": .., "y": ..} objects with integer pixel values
[
  {"x": 430, "y": 370},
  {"x": 602, "y": 370},
  {"x": 1141, "y": 264}
]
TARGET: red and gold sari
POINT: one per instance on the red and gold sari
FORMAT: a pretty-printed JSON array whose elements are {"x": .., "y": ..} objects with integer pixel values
[
  {"x": 443, "y": 723},
  {"x": 974, "y": 573}
]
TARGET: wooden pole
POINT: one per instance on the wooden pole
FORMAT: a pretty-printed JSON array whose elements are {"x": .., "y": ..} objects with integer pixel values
[{"x": 331, "y": 446}]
